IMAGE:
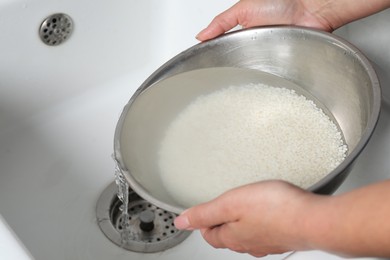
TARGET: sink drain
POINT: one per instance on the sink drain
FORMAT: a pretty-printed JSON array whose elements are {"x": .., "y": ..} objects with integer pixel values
[
  {"x": 148, "y": 228},
  {"x": 56, "y": 29}
]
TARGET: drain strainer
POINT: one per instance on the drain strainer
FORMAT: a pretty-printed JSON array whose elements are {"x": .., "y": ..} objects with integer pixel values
[
  {"x": 56, "y": 29},
  {"x": 148, "y": 228}
]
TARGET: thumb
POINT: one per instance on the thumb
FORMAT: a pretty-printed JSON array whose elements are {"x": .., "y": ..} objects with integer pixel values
[
  {"x": 220, "y": 24},
  {"x": 206, "y": 215}
]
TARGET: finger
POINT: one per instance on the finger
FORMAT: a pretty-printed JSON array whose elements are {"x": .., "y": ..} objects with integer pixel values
[
  {"x": 209, "y": 214},
  {"x": 223, "y": 237},
  {"x": 215, "y": 236},
  {"x": 258, "y": 255},
  {"x": 220, "y": 24}
]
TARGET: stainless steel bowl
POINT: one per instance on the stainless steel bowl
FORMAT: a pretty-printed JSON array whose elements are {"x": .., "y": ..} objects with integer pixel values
[{"x": 336, "y": 73}]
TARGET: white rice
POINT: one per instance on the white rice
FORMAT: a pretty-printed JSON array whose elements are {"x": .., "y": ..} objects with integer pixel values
[{"x": 244, "y": 134}]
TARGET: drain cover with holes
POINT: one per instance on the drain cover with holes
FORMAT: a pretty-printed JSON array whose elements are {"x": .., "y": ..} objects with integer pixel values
[
  {"x": 149, "y": 228},
  {"x": 56, "y": 29}
]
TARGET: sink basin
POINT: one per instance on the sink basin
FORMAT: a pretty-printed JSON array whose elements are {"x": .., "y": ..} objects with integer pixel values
[
  {"x": 59, "y": 106},
  {"x": 10, "y": 245}
]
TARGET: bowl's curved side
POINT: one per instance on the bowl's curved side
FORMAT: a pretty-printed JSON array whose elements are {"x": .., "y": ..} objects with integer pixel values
[{"x": 222, "y": 52}]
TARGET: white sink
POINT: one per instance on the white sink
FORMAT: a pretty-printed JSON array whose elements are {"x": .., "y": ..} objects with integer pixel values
[
  {"x": 59, "y": 107},
  {"x": 10, "y": 245}
]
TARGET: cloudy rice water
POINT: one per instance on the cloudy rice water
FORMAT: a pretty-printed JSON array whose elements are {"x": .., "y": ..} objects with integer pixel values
[{"x": 244, "y": 134}]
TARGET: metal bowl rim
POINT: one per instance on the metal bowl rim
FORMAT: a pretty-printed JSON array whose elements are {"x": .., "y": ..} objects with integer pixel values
[{"x": 329, "y": 37}]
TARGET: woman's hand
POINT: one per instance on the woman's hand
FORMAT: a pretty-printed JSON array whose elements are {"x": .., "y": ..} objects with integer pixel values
[
  {"x": 275, "y": 217},
  {"x": 258, "y": 219},
  {"x": 320, "y": 14}
]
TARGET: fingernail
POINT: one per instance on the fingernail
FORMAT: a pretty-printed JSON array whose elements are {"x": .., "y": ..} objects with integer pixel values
[
  {"x": 182, "y": 222},
  {"x": 200, "y": 36}
]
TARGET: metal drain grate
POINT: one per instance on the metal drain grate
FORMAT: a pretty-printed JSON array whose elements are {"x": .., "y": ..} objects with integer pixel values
[
  {"x": 163, "y": 227},
  {"x": 56, "y": 29},
  {"x": 149, "y": 228}
]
